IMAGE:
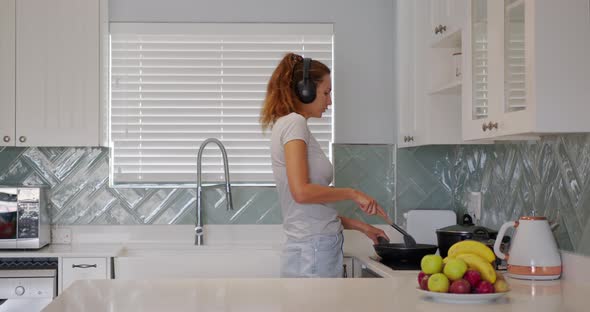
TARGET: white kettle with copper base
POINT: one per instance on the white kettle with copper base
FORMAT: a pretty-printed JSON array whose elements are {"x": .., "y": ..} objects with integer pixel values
[{"x": 533, "y": 251}]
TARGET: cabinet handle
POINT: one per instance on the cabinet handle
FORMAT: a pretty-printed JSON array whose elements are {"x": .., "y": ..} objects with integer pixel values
[
  {"x": 443, "y": 28},
  {"x": 6, "y": 139},
  {"x": 484, "y": 127},
  {"x": 436, "y": 30},
  {"x": 493, "y": 125},
  {"x": 411, "y": 138},
  {"x": 405, "y": 138},
  {"x": 22, "y": 139},
  {"x": 83, "y": 266},
  {"x": 344, "y": 273}
]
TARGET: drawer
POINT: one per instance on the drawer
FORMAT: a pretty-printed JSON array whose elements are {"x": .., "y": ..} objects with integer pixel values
[{"x": 74, "y": 269}]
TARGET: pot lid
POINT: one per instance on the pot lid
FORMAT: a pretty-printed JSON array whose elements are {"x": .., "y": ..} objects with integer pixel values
[{"x": 466, "y": 229}]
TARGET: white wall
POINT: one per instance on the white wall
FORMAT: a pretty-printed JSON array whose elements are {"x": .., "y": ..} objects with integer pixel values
[{"x": 363, "y": 45}]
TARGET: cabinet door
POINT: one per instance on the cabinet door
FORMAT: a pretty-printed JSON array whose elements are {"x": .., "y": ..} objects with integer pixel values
[
  {"x": 74, "y": 269},
  {"x": 7, "y": 77},
  {"x": 514, "y": 116},
  {"x": 57, "y": 72},
  {"x": 437, "y": 9},
  {"x": 347, "y": 267},
  {"x": 455, "y": 14},
  {"x": 476, "y": 108},
  {"x": 406, "y": 82}
]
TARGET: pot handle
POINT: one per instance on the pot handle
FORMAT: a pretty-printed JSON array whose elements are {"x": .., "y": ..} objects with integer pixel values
[{"x": 499, "y": 238}]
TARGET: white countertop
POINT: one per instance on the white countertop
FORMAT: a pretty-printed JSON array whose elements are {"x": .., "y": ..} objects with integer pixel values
[{"x": 397, "y": 293}]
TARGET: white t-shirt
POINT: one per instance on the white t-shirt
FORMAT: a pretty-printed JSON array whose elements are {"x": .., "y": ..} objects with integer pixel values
[{"x": 302, "y": 220}]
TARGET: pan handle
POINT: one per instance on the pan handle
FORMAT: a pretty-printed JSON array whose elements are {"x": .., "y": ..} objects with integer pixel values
[
  {"x": 382, "y": 240},
  {"x": 409, "y": 241}
]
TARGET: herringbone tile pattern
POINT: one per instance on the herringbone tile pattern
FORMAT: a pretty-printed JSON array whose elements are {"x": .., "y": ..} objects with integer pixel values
[
  {"x": 550, "y": 177},
  {"x": 80, "y": 194}
]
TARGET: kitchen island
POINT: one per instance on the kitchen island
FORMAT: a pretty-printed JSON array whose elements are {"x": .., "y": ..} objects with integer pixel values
[{"x": 397, "y": 293}]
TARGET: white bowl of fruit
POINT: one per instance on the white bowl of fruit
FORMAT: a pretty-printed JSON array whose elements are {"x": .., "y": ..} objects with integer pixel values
[{"x": 465, "y": 276}]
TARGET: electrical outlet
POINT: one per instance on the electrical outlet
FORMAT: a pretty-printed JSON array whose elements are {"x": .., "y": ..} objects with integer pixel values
[
  {"x": 61, "y": 236},
  {"x": 474, "y": 205}
]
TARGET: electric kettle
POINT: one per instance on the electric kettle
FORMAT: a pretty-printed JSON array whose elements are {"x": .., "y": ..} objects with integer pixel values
[{"x": 533, "y": 252}]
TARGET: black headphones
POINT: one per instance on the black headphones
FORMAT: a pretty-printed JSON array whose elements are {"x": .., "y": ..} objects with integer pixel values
[{"x": 305, "y": 89}]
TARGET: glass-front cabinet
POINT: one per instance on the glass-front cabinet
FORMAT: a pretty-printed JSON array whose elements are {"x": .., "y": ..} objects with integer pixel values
[
  {"x": 476, "y": 63},
  {"x": 525, "y": 68}
]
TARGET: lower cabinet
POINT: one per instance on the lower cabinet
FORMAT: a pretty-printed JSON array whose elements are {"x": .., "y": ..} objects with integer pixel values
[
  {"x": 73, "y": 269},
  {"x": 348, "y": 267}
]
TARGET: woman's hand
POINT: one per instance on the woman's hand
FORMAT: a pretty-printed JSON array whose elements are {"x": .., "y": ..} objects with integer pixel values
[
  {"x": 368, "y": 204},
  {"x": 373, "y": 233}
]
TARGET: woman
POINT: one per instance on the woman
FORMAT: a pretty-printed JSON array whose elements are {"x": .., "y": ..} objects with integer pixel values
[{"x": 303, "y": 173}]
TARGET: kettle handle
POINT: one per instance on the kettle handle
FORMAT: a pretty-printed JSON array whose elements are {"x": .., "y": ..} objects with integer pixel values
[{"x": 500, "y": 236}]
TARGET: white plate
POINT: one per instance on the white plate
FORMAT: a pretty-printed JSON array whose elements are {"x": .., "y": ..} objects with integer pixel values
[{"x": 461, "y": 298}]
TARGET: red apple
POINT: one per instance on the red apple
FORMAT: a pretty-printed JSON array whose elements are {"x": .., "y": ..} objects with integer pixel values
[
  {"x": 473, "y": 277},
  {"x": 420, "y": 276},
  {"x": 484, "y": 287},
  {"x": 460, "y": 286},
  {"x": 424, "y": 282}
]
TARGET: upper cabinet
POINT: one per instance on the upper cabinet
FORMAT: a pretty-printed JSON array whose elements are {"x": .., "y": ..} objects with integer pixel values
[
  {"x": 428, "y": 73},
  {"x": 446, "y": 18},
  {"x": 57, "y": 72},
  {"x": 526, "y": 68},
  {"x": 7, "y": 44}
]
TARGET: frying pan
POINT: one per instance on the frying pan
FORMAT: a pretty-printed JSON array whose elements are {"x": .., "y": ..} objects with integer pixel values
[{"x": 408, "y": 254}]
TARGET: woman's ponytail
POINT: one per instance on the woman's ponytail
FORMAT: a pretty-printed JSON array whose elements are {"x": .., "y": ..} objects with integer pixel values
[{"x": 280, "y": 97}]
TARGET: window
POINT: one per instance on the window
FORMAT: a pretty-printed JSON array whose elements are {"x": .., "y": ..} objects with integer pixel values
[{"x": 173, "y": 85}]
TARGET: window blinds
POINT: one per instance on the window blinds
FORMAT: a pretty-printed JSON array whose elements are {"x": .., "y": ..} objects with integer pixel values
[{"x": 174, "y": 85}]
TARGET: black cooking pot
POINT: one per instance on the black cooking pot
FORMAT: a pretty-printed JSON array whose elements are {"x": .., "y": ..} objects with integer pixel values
[
  {"x": 450, "y": 235},
  {"x": 400, "y": 256}
]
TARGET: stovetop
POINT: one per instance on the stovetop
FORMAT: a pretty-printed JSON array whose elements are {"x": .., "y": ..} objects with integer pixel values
[{"x": 398, "y": 265}]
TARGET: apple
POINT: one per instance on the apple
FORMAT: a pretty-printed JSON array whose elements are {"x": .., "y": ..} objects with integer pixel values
[
  {"x": 460, "y": 286},
  {"x": 484, "y": 287},
  {"x": 501, "y": 286},
  {"x": 431, "y": 264},
  {"x": 438, "y": 282},
  {"x": 424, "y": 282},
  {"x": 473, "y": 277},
  {"x": 454, "y": 269},
  {"x": 420, "y": 276}
]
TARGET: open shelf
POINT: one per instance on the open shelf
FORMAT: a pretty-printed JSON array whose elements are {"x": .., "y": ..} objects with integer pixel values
[
  {"x": 450, "y": 88},
  {"x": 450, "y": 40}
]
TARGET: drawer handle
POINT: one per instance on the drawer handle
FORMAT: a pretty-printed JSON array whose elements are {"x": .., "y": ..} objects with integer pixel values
[{"x": 83, "y": 266}]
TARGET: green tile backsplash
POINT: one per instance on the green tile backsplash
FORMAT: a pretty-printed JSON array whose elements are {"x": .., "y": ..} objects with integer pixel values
[
  {"x": 79, "y": 192},
  {"x": 550, "y": 176}
]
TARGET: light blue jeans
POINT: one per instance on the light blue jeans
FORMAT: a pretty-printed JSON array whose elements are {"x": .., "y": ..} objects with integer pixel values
[{"x": 316, "y": 256}]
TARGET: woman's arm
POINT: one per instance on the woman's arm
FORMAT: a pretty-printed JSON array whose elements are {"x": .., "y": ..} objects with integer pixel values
[
  {"x": 304, "y": 192},
  {"x": 369, "y": 230}
]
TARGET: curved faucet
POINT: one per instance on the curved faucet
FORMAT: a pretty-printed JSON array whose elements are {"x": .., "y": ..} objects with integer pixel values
[{"x": 199, "y": 225}]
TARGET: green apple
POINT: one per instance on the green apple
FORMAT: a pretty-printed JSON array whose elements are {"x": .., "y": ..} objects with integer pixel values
[
  {"x": 438, "y": 283},
  {"x": 454, "y": 269},
  {"x": 431, "y": 264}
]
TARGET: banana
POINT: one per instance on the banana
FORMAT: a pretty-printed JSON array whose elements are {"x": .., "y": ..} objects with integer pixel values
[
  {"x": 487, "y": 271},
  {"x": 446, "y": 259},
  {"x": 472, "y": 247}
]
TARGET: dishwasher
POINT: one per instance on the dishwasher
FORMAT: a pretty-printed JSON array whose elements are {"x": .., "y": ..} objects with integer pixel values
[{"x": 27, "y": 284}]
